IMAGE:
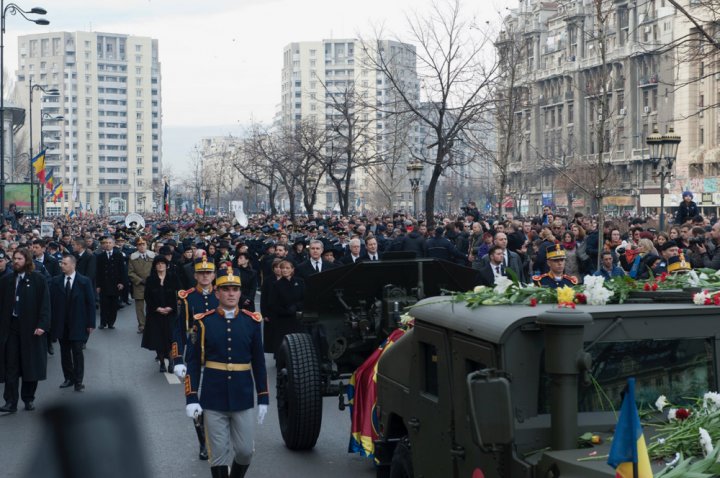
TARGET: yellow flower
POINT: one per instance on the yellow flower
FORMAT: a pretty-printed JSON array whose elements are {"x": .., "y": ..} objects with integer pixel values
[{"x": 565, "y": 295}]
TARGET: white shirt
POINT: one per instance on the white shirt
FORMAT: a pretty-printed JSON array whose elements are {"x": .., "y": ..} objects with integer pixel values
[
  {"x": 317, "y": 265},
  {"x": 229, "y": 314},
  {"x": 72, "y": 279},
  {"x": 497, "y": 270}
]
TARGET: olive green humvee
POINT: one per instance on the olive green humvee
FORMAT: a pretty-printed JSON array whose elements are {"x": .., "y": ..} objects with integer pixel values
[{"x": 506, "y": 391}]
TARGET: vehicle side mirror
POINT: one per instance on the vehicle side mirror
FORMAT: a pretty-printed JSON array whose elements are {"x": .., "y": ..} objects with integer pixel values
[{"x": 491, "y": 417}]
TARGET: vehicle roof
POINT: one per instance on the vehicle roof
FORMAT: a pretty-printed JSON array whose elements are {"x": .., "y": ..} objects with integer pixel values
[{"x": 495, "y": 323}]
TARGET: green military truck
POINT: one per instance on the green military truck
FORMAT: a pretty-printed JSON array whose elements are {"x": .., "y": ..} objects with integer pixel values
[{"x": 506, "y": 391}]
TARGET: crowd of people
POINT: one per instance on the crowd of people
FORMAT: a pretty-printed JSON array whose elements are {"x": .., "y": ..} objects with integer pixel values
[{"x": 173, "y": 268}]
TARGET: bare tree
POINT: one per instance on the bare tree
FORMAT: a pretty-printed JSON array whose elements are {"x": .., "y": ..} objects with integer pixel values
[
  {"x": 255, "y": 162},
  {"x": 455, "y": 78},
  {"x": 309, "y": 142}
]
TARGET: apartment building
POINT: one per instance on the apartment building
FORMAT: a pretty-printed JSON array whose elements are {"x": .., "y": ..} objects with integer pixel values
[{"x": 103, "y": 130}]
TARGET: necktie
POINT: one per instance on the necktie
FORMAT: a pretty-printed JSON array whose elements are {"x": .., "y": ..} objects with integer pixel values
[
  {"x": 497, "y": 270},
  {"x": 108, "y": 254},
  {"x": 374, "y": 257},
  {"x": 68, "y": 287},
  {"x": 16, "y": 304},
  {"x": 317, "y": 267}
]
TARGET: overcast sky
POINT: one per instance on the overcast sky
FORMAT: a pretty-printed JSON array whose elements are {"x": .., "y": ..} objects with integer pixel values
[{"x": 221, "y": 59}]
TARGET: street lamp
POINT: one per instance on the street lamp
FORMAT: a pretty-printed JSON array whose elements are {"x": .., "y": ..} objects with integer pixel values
[
  {"x": 449, "y": 196},
  {"x": 12, "y": 9},
  {"x": 663, "y": 153},
  {"x": 49, "y": 92},
  {"x": 207, "y": 198},
  {"x": 247, "y": 198},
  {"x": 415, "y": 170}
]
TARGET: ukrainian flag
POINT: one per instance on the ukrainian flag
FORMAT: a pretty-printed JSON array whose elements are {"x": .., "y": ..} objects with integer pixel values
[{"x": 628, "y": 454}]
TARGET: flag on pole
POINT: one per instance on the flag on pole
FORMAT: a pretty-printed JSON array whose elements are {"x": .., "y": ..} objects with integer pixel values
[
  {"x": 628, "y": 454},
  {"x": 74, "y": 191},
  {"x": 38, "y": 164},
  {"x": 49, "y": 180},
  {"x": 166, "y": 198},
  {"x": 58, "y": 192}
]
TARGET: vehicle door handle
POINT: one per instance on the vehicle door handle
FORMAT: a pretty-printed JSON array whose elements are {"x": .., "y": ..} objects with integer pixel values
[
  {"x": 414, "y": 423},
  {"x": 458, "y": 451}
]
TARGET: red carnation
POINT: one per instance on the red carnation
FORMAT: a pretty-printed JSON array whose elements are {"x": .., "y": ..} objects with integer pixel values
[
  {"x": 581, "y": 298},
  {"x": 716, "y": 299},
  {"x": 663, "y": 276},
  {"x": 654, "y": 286},
  {"x": 708, "y": 301},
  {"x": 682, "y": 414},
  {"x": 646, "y": 287},
  {"x": 533, "y": 302}
]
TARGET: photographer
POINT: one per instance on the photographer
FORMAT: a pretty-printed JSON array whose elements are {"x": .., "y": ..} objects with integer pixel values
[
  {"x": 711, "y": 260},
  {"x": 13, "y": 215}
]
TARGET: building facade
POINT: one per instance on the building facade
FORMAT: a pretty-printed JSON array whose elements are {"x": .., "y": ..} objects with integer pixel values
[
  {"x": 593, "y": 83},
  {"x": 102, "y": 131}
]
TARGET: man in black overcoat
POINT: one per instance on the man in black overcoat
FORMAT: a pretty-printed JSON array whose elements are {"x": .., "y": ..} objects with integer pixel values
[
  {"x": 24, "y": 320},
  {"x": 110, "y": 281},
  {"x": 73, "y": 318}
]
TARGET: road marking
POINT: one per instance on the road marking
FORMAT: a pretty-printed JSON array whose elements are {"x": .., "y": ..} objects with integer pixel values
[{"x": 172, "y": 379}]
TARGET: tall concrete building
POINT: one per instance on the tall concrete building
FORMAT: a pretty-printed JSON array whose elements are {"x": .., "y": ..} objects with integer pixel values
[
  {"x": 315, "y": 72},
  {"x": 108, "y": 140}
]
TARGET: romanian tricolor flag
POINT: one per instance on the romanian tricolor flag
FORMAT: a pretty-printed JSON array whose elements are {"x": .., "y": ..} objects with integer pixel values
[
  {"x": 58, "y": 193},
  {"x": 362, "y": 395},
  {"x": 166, "y": 198},
  {"x": 628, "y": 454},
  {"x": 49, "y": 180},
  {"x": 38, "y": 164}
]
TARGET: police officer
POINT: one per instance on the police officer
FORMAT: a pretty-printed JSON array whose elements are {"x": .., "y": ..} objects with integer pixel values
[
  {"x": 191, "y": 302},
  {"x": 218, "y": 383},
  {"x": 555, "y": 277}
]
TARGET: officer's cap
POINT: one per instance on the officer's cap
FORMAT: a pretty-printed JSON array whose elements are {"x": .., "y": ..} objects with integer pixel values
[
  {"x": 203, "y": 265},
  {"x": 227, "y": 277}
]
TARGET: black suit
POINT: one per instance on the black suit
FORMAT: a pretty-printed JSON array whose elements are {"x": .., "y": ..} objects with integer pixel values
[
  {"x": 110, "y": 273},
  {"x": 349, "y": 260},
  {"x": 486, "y": 276},
  {"x": 51, "y": 265},
  {"x": 306, "y": 269},
  {"x": 86, "y": 265},
  {"x": 72, "y": 315}
]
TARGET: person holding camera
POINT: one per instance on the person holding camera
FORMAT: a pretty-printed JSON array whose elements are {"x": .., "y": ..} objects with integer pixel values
[{"x": 711, "y": 260}]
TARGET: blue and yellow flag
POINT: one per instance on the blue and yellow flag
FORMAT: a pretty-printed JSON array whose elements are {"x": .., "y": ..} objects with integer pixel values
[{"x": 628, "y": 454}]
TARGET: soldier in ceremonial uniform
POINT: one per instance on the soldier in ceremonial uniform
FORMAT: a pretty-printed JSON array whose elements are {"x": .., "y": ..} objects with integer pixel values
[
  {"x": 194, "y": 301},
  {"x": 225, "y": 346},
  {"x": 555, "y": 277}
]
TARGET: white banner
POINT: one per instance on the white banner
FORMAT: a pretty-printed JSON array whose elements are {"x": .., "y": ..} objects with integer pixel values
[{"x": 237, "y": 208}]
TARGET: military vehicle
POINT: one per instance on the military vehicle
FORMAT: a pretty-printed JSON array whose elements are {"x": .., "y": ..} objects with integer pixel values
[
  {"x": 505, "y": 391},
  {"x": 348, "y": 312}
]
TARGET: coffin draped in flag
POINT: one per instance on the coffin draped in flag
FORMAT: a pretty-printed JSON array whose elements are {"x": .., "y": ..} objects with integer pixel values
[
  {"x": 362, "y": 395},
  {"x": 628, "y": 454}
]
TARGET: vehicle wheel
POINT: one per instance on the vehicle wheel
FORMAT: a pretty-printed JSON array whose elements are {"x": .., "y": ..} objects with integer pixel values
[
  {"x": 401, "y": 465},
  {"x": 299, "y": 396}
]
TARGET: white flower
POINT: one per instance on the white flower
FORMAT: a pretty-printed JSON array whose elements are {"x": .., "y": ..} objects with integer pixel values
[
  {"x": 704, "y": 276},
  {"x": 661, "y": 403},
  {"x": 711, "y": 400},
  {"x": 598, "y": 295},
  {"x": 661, "y": 441},
  {"x": 674, "y": 461},
  {"x": 592, "y": 282},
  {"x": 405, "y": 319},
  {"x": 693, "y": 279},
  {"x": 705, "y": 441},
  {"x": 479, "y": 288},
  {"x": 502, "y": 284},
  {"x": 700, "y": 298},
  {"x": 672, "y": 414}
]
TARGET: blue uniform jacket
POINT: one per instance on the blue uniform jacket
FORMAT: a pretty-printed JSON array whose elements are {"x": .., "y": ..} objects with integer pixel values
[
  {"x": 546, "y": 280},
  {"x": 214, "y": 338},
  {"x": 190, "y": 303}
]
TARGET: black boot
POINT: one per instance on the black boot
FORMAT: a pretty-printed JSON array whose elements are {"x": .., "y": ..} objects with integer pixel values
[
  {"x": 203, "y": 455},
  {"x": 162, "y": 364},
  {"x": 238, "y": 470},
  {"x": 219, "y": 471}
]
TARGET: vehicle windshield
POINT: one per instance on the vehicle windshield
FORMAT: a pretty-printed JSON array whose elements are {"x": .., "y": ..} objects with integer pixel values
[{"x": 680, "y": 369}]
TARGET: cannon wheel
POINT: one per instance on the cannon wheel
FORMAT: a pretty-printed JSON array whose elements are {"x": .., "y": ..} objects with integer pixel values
[{"x": 299, "y": 396}]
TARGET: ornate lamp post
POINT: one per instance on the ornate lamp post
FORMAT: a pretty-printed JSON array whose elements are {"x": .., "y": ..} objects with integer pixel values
[
  {"x": 415, "y": 170},
  {"x": 12, "y": 9},
  {"x": 50, "y": 92},
  {"x": 663, "y": 153}
]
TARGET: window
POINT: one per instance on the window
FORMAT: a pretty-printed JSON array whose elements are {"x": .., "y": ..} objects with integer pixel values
[{"x": 429, "y": 357}]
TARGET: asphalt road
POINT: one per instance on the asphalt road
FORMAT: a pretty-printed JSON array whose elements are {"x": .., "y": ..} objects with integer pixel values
[{"x": 116, "y": 364}]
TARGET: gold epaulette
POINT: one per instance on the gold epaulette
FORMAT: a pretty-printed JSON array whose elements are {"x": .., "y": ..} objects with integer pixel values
[
  {"x": 572, "y": 279},
  {"x": 184, "y": 293},
  {"x": 256, "y": 316},
  {"x": 538, "y": 277},
  {"x": 203, "y": 315}
]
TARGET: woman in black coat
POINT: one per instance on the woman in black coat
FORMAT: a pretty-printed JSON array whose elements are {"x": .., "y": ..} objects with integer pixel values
[
  {"x": 248, "y": 279},
  {"x": 286, "y": 296},
  {"x": 270, "y": 342},
  {"x": 161, "y": 307}
]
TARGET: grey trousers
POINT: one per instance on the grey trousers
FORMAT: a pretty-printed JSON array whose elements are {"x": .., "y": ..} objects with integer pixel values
[{"x": 230, "y": 436}]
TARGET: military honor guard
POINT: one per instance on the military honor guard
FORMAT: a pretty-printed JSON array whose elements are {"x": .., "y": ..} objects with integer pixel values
[
  {"x": 191, "y": 302},
  {"x": 224, "y": 359},
  {"x": 555, "y": 277}
]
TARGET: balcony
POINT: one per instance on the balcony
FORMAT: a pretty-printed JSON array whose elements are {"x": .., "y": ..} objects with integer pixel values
[{"x": 648, "y": 81}]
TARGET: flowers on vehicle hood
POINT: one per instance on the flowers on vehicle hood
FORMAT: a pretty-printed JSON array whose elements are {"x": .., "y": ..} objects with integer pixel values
[
  {"x": 566, "y": 295},
  {"x": 711, "y": 401},
  {"x": 502, "y": 284},
  {"x": 661, "y": 403}
]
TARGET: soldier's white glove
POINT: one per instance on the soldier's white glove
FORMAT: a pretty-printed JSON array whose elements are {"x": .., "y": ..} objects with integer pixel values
[
  {"x": 180, "y": 371},
  {"x": 262, "y": 411},
  {"x": 193, "y": 410}
]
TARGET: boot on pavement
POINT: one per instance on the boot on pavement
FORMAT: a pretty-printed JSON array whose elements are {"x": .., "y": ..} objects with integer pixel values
[
  {"x": 238, "y": 470},
  {"x": 219, "y": 471}
]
